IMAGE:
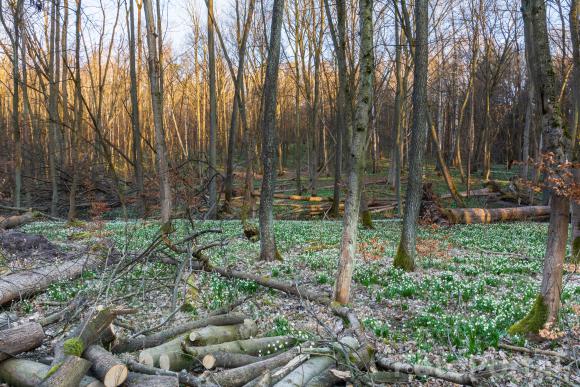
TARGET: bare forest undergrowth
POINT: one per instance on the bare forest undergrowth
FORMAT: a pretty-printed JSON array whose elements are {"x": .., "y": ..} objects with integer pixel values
[{"x": 472, "y": 283}]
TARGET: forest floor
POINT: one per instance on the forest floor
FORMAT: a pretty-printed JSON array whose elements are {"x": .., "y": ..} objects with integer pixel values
[{"x": 472, "y": 282}]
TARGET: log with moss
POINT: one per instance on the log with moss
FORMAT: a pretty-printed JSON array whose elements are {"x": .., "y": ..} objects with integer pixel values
[
  {"x": 28, "y": 373},
  {"x": 105, "y": 366},
  {"x": 490, "y": 215},
  {"x": 21, "y": 338},
  {"x": 67, "y": 373},
  {"x": 185, "y": 357},
  {"x": 139, "y": 343},
  {"x": 213, "y": 334}
]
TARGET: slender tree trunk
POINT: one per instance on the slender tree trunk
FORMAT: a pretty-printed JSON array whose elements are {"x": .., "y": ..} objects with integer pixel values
[
  {"x": 157, "y": 107},
  {"x": 16, "y": 104},
  {"x": 405, "y": 257},
  {"x": 356, "y": 155},
  {"x": 53, "y": 108},
  {"x": 397, "y": 119},
  {"x": 78, "y": 114},
  {"x": 575, "y": 124},
  {"x": 135, "y": 122},
  {"x": 212, "y": 212},
  {"x": 547, "y": 304},
  {"x": 268, "y": 250},
  {"x": 298, "y": 132}
]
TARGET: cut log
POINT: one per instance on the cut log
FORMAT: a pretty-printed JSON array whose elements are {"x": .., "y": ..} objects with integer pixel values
[
  {"x": 419, "y": 370},
  {"x": 139, "y": 380},
  {"x": 69, "y": 373},
  {"x": 110, "y": 370},
  {"x": 28, "y": 373},
  {"x": 150, "y": 356},
  {"x": 324, "y": 379},
  {"x": 315, "y": 365},
  {"x": 20, "y": 339},
  {"x": 16, "y": 220},
  {"x": 220, "y": 334},
  {"x": 176, "y": 360},
  {"x": 242, "y": 375},
  {"x": 297, "y": 197},
  {"x": 26, "y": 283},
  {"x": 489, "y": 215},
  {"x": 221, "y": 359},
  {"x": 184, "y": 378},
  {"x": 138, "y": 343}
]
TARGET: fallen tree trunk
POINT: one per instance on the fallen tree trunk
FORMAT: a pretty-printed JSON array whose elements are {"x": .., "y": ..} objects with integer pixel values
[
  {"x": 20, "y": 339},
  {"x": 69, "y": 373},
  {"x": 110, "y": 370},
  {"x": 489, "y": 215},
  {"x": 28, "y": 373},
  {"x": 220, "y": 334},
  {"x": 242, "y": 375},
  {"x": 419, "y": 370},
  {"x": 26, "y": 283},
  {"x": 185, "y": 357},
  {"x": 221, "y": 359},
  {"x": 297, "y": 197},
  {"x": 16, "y": 220},
  {"x": 184, "y": 378},
  {"x": 139, "y": 380},
  {"x": 138, "y": 343}
]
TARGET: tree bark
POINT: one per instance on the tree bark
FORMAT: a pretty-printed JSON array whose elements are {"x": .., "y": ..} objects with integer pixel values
[
  {"x": 405, "y": 257},
  {"x": 20, "y": 339},
  {"x": 110, "y": 370},
  {"x": 268, "y": 249},
  {"x": 69, "y": 373},
  {"x": 220, "y": 334},
  {"x": 138, "y": 380},
  {"x": 221, "y": 359},
  {"x": 27, "y": 373},
  {"x": 213, "y": 174},
  {"x": 490, "y": 215},
  {"x": 575, "y": 125}
]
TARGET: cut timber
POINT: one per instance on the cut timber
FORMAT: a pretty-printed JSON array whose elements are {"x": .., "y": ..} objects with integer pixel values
[
  {"x": 135, "y": 344},
  {"x": 489, "y": 215},
  {"x": 140, "y": 380},
  {"x": 28, "y": 373},
  {"x": 184, "y": 377},
  {"x": 221, "y": 359},
  {"x": 176, "y": 360},
  {"x": 315, "y": 366},
  {"x": 16, "y": 220},
  {"x": 242, "y": 375},
  {"x": 220, "y": 334},
  {"x": 20, "y": 339},
  {"x": 110, "y": 370},
  {"x": 69, "y": 373},
  {"x": 150, "y": 356},
  {"x": 26, "y": 283},
  {"x": 419, "y": 370}
]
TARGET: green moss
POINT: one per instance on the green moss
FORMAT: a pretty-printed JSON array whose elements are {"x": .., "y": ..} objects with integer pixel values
[
  {"x": 534, "y": 320},
  {"x": 575, "y": 250},
  {"x": 74, "y": 347},
  {"x": 278, "y": 255},
  {"x": 367, "y": 220},
  {"x": 403, "y": 260},
  {"x": 52, "y": 370}
]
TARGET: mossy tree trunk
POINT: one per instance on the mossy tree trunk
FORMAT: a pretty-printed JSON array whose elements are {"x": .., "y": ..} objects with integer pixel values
[
  {"x": 405, "y": 257},
  {"x": 547, "y": 305},
  {"x": 575, "y": 124},
  {"x": 356, "y": 155}
]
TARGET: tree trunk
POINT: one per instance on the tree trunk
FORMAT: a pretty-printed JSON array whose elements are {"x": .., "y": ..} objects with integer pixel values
[
  {"x": 356, "y": 156},
  {"x": 221, "y": 359},
  {"x": 69, "y": 373},
  {"x": 78, "y": 115},
  {"x": 490, "y": 215},
  {"x": 27, "y": 373},
  {"x": 575, "y": 125},
  {"x": 547, "y": 304},
  {"x": 20, "y": 339},
  {"x": 110, "y": 370},
  {"x": 213, "y": 174},
  {"x": 157, "y": 107},
  {"x": 220, "y": 334},
  {"x": 138, "y": 380},
  {"x": 268, "y": 249},
  {"x": 405, "y": 257}
]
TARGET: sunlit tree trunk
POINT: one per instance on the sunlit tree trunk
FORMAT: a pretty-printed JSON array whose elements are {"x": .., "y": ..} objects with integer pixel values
[
  {"x": 157, "y": 107},
  {"x": 356, "y": 155},
  {"x": 78, "y": 115},
  {"x": 53, "y": 107},
  {"x": 212, "y": 211},
  {"x": 268, "y": 250},
  {"x": 405, "y": 257}
]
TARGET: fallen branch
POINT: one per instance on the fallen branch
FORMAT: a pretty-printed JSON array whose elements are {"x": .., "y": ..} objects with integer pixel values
[
  {"x": 534, "y": 351},
  {"x": 420, "y": 370}
]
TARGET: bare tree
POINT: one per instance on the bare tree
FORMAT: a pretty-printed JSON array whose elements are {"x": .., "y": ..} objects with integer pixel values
[
  {"x": 212, "y": 212},
  {"x": 357, "y": 155},
  {"x": 545, "y": 309},
  {"x": 405, "y": 257},
  {"x": 268, "y": 249}
]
